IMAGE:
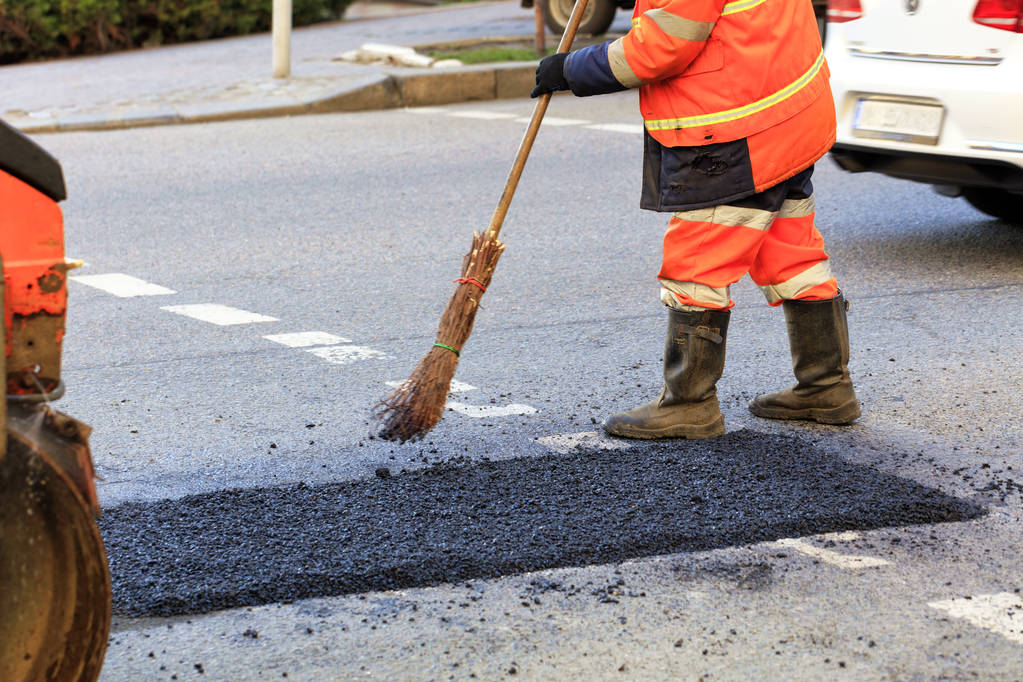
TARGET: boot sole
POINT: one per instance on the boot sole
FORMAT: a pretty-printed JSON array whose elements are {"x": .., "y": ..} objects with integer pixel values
[
  {"x": 835, "y": 416},
  {"x": 687, "y": 431}
]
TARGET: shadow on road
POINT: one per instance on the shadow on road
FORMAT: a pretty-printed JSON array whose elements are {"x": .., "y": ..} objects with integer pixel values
[{"x": 460, "y": 521}]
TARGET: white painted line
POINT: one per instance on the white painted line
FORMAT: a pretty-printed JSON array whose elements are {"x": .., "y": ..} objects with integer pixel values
[
  {"x": 843, "y": 536},
  {"x": 456, "y": 386},
  {"x": 555, "y": 121},
  {"x": 567, "y": 442},
  {"x": 484, "y": 411},
  {"x": 631, "y": 128},
  {"x": 482, "y": 115},
  {"x": 122, "y": 285},
  {"x": 346, "y": 355},
  {"x": 215, "y": 313},
  {"x": 833, "y": 558},
  {"x": 1001, "y": 613},
  {"x": 426, "y": 110},
  {"x": 306, "y": 339}
]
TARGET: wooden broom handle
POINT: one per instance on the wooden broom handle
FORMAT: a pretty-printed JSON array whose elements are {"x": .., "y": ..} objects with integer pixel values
[{"x": 534, "y": 126}]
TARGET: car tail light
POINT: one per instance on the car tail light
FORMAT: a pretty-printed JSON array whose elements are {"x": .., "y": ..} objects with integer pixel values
[
  {"x": 840, "y": 11},
  {"x": 1006, "y": 15}
]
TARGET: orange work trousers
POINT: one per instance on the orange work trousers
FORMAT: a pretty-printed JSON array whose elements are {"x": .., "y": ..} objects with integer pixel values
[{"x": 771, "y": 235}]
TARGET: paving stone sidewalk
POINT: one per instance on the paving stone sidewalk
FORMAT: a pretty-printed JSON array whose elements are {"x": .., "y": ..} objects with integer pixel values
[{"x": 231, "y": 78}]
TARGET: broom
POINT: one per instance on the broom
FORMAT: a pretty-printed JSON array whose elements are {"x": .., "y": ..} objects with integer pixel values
[{"x": 416, "y": 405}]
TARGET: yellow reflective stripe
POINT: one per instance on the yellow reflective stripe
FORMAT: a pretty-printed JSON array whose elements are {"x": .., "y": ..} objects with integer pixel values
[
  {"x": 635, "y": 21},
  {"x": 740, "y": 6},
  {"x": 620, "y": 68},
  {"x": 680, "y": 27},
  {"x": 741, "y": 112}
]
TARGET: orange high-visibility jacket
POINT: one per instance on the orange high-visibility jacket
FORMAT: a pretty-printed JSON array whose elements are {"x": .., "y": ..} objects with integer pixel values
[{"x": 734, "y": 94}]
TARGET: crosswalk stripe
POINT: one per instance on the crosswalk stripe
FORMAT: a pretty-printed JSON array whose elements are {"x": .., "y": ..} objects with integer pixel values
[
  {"x": 567, "y": 442},
  {"x": 121, "y": 285},
  {"x": 1001, "y": 613},
  {"x": 484, "y": 411},
  {"x": 217, "y": 314},
  {"x": 346, "y": 355},
  {"x": 848, "y": 561},
  {"x": 306, "y": 339}
]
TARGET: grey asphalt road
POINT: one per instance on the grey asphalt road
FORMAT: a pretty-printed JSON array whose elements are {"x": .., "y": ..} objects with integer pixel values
[{"x": 256, "y": 528}]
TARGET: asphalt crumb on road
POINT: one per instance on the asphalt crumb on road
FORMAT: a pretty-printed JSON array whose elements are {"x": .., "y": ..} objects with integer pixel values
[{"x": 454, "y": 521}]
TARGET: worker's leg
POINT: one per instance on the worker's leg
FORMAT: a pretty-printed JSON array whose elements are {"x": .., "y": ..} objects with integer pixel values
[
  {"x": 705, "y": 250},
  {"x": 792, "y": 270}
]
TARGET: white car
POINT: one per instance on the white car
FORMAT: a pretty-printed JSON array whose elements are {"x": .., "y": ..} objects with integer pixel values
[{"x": 932, "y": 91}]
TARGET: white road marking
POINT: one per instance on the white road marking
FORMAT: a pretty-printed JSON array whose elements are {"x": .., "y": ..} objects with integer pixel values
[
  {"x": 567, "y": 442},
  {"x": 215, "y": 313},
  {"x": 306, "y": 339},
  {"x": 834, "y": 558},
  {"x": 555, "y": 121},
  {"x": 482, "y": 115},
  {"x": 346, "y": 355},
  {"x": 484, "y": 411},
  {"x": 1001, "y": 613},
  {"x": 456, "y": 386},
  {"x": 631, "y": 128},
  {"x": 124, "y": 286}
]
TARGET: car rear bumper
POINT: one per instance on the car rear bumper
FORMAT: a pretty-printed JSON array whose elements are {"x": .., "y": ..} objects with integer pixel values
[
  {"x": 981, "y": 139},
  {"x": 935, "y": 169}
]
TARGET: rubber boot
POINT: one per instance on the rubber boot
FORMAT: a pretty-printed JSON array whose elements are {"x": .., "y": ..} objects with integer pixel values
[
  {"x": 819, "y": 340},
  {"x": 694, "y": 357}
]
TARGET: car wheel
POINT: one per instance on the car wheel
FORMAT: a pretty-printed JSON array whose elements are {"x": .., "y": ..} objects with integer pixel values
[
  {"x": 999, "y": 203},
  {"x": 596, "y": 19}
]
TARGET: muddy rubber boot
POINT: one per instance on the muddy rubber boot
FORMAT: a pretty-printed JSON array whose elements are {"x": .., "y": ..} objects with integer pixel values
[
  {"x": 819, "y": 340},
  {"x": 694, "y": 357}
]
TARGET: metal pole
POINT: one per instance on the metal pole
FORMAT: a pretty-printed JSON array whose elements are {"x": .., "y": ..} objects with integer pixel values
[{"x": 281, "y": 30}]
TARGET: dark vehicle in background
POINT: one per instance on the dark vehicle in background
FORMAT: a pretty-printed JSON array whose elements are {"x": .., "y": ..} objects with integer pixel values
[{"x": 600, "y": 13}]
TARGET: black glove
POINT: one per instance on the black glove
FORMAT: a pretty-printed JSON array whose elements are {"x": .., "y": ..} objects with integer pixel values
[{"x": 550, "y": 75}]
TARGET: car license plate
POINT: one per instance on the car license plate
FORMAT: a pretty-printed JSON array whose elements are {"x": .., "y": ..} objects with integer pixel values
[{"x": 895, "y": 120}]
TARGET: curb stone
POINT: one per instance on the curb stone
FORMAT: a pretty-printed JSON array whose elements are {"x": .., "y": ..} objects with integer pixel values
[{"x": 382, "y": 90}]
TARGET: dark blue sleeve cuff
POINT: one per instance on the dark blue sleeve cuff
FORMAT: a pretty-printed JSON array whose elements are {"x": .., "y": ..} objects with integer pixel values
[{"x": 589, "y": 73}]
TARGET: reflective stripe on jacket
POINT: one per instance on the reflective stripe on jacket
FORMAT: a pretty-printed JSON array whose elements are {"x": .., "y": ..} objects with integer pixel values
[{"x": 712, "y": 72}]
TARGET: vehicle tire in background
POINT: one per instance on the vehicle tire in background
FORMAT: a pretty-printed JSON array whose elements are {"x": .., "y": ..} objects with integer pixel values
[
  {"x": 596, "y": 19},
  {"x": 998, "y": 203}
]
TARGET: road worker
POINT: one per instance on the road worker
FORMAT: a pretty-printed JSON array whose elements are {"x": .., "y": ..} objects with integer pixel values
[{"x": 736, "y": 108}]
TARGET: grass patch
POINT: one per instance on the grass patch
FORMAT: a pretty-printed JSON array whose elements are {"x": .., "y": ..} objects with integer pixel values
[{"x": 485, "y": 55}]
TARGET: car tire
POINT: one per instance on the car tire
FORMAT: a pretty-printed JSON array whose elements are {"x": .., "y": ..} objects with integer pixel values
[
  {"x": 596, "y": 19},
  {"x": 998, "y": 203}
]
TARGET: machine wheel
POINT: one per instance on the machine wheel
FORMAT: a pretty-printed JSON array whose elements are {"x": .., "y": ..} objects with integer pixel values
[
  {"x": 596, "y": 19},
  {"x": 998, "y": 203},
  {"x": 54, "y": 580}
]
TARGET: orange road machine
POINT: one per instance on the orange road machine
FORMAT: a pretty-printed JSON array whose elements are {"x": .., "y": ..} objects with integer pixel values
[{"x": 54, "y": 578}]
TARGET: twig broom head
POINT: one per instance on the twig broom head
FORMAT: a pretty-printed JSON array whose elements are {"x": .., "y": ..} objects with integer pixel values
[{"x": 417, "y": 404}]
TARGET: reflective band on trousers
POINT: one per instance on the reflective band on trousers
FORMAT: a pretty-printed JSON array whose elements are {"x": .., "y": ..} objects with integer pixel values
[
  {"x": 680, "y": 27},
  {"x": 797, "y": 208},
  {"x": 730, "y": 216},
  {"x": 715, "y": 296},
  {"x": 807, "y": 279},
  {"x": 740, "y": 112}
]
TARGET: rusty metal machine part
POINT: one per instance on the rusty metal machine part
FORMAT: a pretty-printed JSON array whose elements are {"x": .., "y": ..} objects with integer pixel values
[{"x": 54, "y": 581}]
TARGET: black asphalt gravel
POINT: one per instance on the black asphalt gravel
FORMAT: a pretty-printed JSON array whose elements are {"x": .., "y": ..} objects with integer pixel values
[{"x": 457, "y": 520}]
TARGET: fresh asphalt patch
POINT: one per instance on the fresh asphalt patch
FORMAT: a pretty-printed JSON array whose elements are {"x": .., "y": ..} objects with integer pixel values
[{"x": 470, "y": 520}]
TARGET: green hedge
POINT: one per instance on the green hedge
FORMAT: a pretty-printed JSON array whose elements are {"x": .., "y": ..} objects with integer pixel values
[{"x": 39, "y": 29}]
